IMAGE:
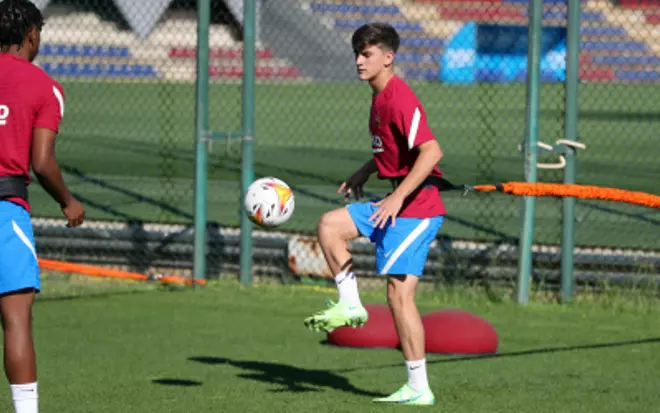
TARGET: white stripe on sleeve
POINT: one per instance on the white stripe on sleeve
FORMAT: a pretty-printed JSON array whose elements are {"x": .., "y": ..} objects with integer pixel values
[
  {"x": 60, "y": 99},
  {"x": 413, "y": 128}
]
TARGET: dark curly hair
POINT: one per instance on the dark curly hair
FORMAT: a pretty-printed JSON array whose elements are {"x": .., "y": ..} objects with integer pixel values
[{"x": 17, "y": 19}]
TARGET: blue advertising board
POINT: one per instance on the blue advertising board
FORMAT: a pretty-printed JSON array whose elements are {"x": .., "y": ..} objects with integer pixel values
[{"x": 498, "y": 53}]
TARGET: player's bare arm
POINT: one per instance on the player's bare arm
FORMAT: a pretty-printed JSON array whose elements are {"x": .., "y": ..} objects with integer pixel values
[
  {"x": 49, "y": 175},
  {"x": 429, "y": 156},
  {"x": 355, "y": 183}
]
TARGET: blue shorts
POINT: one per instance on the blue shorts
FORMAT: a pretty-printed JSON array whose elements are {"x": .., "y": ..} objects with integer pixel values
[
  {"x": 19, "y": 268},
  {"x": 402, "y": 249}
]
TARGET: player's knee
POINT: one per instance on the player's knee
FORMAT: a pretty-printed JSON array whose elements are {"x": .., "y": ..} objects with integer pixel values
[
  {"x": 336, "y": 225},
  {"x": 329, "y": 224},
  {"x": 399, "y": 295},
  {"x": 324, "y": 226},
  {"x": 16, "y": 320}
]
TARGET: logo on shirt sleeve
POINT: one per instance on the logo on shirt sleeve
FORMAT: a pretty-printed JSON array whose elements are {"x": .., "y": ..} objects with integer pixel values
[{"x": 376, "y": 144}]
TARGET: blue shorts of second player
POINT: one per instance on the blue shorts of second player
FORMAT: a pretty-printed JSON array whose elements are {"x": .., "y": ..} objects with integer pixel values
[
  {"x": 402, "y": 249},
  {"x": 19, "y": 269}
]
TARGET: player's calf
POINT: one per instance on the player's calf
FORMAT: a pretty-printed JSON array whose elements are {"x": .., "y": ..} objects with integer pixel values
[
  {"x": 19, "y": 354},
  {"x": 335, "y": 230},
  {"x": 401, "y": 299}
]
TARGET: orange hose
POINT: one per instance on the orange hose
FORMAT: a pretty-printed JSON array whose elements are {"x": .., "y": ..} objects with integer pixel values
[
  {"x": 89, "y": 270},
  {"x": 485, "y": 188},
  {"x": 574, "y": 190},
  {"x": 95, "y": 271},
  {"x": 173, "y": 279}
]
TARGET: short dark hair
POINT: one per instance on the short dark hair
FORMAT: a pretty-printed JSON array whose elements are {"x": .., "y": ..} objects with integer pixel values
[
  {"x": 17, "y": 18},
  {"x": 376, "y": 34}
]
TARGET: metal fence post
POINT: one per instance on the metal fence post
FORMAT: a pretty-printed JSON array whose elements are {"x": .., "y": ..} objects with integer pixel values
[
  {"x": 247, "y": 161},
  {"x": 531, "y": 137},
  {"x": 202, "y": 136},
  {"x": 571, "y": 121}
]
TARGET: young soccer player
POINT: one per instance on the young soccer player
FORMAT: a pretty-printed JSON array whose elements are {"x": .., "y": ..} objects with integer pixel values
[
  {"x": 31, "y": 109},
  {"x": 402, "y": 225}
]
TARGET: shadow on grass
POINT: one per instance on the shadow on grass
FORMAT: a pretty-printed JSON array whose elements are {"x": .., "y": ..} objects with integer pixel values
[
  {"x": 530, "y": 352},
  {"x": 177, "y": 382},
  {"x": 289, "y": 378}
]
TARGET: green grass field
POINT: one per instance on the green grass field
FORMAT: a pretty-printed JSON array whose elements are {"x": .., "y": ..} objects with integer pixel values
[
  {"x": 128, "y": 152},
  {"x": 132, "y": 348}
]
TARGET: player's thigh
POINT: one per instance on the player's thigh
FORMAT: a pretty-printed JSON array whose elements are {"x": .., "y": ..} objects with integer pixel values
[
  {"x": 339, "y": 222},
  {"x": 19, "y": 269},
  {"x": 403, "y": 249},
  {"x": 360, "y": 213}
]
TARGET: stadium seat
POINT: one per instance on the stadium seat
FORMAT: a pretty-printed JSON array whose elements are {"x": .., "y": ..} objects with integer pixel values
[
  {"x": 639, "y": 4},
  {"x": 218, "y": 53},
  {"x": 596, "y": 75},
  {"x": 627, "y": 60},
  {"x": 354, "y": 8},
  {"x": 481, "y": 14},
  {"x": 76, "y": 50},
  {"x": 563, "y": 15},
  {"x": 413, "y": 57},
  {"x": 603, "y": 31},
  {"x": 638, "y": 75},
  {"x": 545, "y": 2},
  {"x": 652, "y": 17},
  {"x": 99, "y": 70},
  {"x": 608, "y": 45},
  {"x": 456, "y": 1},
  {"x": 236, "y": 72},
  {"x": 428, "y": 42},
  {"x": 422, "y": 74},
  {"x": 345, "y": 24}
]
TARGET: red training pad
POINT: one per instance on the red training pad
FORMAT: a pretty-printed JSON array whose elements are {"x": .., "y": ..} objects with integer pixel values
[
  {"x": 453, "y": 331},
  {"x": 378, "y": 332}
]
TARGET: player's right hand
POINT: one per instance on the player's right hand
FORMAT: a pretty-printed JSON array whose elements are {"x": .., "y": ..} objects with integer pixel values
[
  {"x": 74, "y": 213},
  {"x": 354, "y": 185}
]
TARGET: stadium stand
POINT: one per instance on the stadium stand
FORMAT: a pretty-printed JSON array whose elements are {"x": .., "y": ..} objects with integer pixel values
[
  {"x": 608, "y": 51},
  {"x": 82, "y": 45},
  {"x": 614, "y": 45}
]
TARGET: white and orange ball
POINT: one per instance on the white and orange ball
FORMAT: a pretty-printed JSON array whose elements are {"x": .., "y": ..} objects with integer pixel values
[{"x": 269, "y": 202}]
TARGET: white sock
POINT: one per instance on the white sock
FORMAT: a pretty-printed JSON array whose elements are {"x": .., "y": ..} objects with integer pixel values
[
  {"x": 417, "y": 375},
  {"x": 26, "y": 399},
  {"x": 348, "y": 288}
]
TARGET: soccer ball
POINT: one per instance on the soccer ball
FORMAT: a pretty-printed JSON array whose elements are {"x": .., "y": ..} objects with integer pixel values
[{"x": 269, "y": 202}]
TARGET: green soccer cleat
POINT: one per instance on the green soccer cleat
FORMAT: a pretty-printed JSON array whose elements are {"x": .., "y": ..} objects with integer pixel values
[
  {"x": 410, "y": 396},
  {"x": 337, "y": 315}
]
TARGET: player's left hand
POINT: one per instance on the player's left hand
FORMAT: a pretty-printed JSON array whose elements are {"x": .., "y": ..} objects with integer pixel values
[{"x": 388, "y": 207}]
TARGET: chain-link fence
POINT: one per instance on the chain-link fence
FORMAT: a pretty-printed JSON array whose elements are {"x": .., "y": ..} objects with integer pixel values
[{"x": 127, "y": 143}]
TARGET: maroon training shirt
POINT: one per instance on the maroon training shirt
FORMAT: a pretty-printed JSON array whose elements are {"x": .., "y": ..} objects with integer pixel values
[
  {"x": 398, "y": 125},
  {"x": 29, "y": 99}
]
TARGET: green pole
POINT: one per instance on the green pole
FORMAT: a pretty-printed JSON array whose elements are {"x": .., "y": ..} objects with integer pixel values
[
  {"x": 247, "y": 163},
  {"x": 202, "y": 136},
  {"x": 570, "y": 124},
  {"x": 531, "y": 138}
]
